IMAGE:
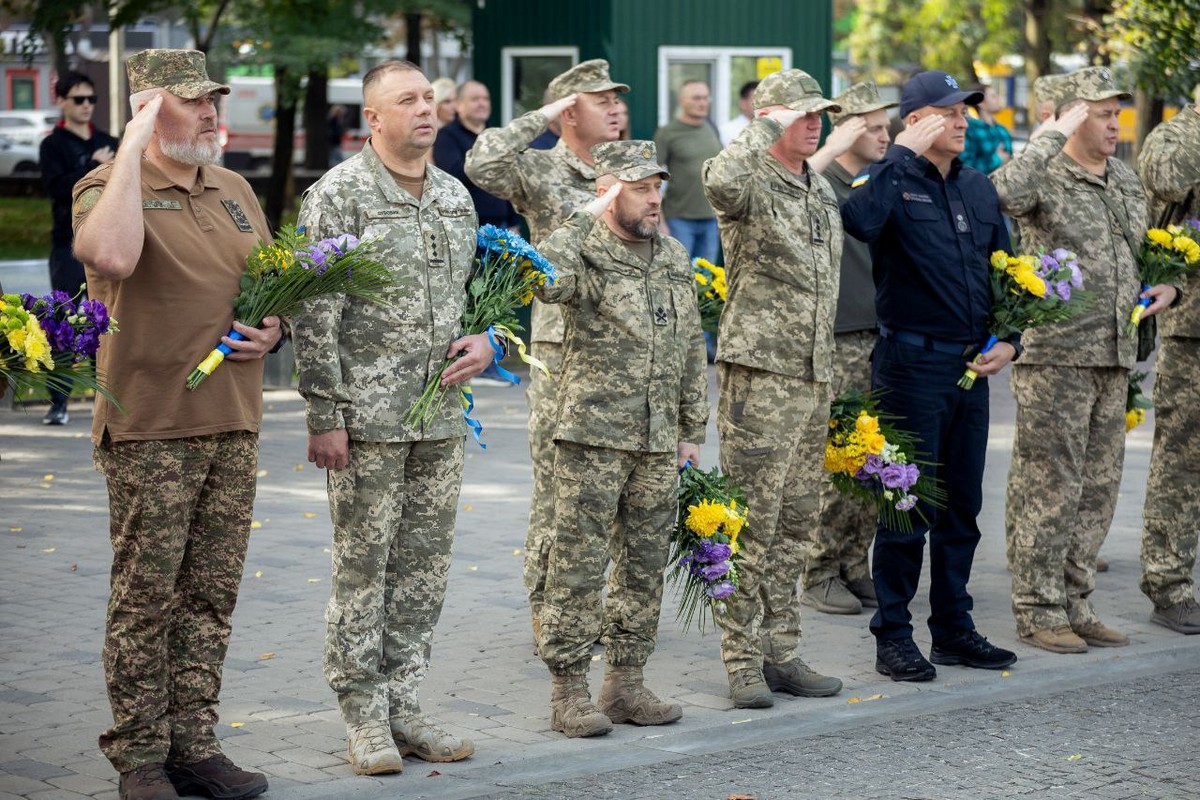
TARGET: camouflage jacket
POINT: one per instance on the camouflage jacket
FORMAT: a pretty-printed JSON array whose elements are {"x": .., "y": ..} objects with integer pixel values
[
  {"x": 1058, "y": 204},
  {"x": 363, "y": 365},
  {"x": 1170, "y": 168},
  {"x": 545, "y": 186},
  {"x": 782, "y": 237},
  {"x": 633, "y": 374}
]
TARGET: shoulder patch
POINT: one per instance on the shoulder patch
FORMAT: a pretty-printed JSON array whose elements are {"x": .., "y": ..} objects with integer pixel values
[
  {"x": 239, "y": 216},
  {"x": 86, "y": 201},
  {"x": 860, "y": 180}
]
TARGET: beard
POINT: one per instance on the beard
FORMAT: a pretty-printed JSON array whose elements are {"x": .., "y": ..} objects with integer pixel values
[
  {"x": 635, "y": 227},
  {"x": 195, "y": 153}
]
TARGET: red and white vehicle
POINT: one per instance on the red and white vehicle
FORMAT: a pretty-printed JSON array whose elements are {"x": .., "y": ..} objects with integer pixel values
[{"x": 247, "y": 120}]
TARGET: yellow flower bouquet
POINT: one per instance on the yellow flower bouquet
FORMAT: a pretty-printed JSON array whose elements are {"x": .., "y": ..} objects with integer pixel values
[
  {"x": 704, "y": 546},
  {"x": 1167, "y": 255},
  {"x": 710, "y": 293}
]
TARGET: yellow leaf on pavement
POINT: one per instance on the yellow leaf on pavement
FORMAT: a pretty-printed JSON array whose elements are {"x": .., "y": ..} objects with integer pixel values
[
  {"x": 298, "y": 467},
  {"x": 309, "y": 515},
  {"x": 468, "y": 507},
  {"x": 1075, "y": 757},
  {"x": 48, "y": 478},
  {"x": 854, "y": 700},
  {"x": 236, "y": 724},
  {"x": 314, "y": 580},
  {"x": 266, "y": 656},
  {"x": 16, "y": 530},
  {"x": 258, "y": 573},
  {"x": 49, "y": 549},
  {"x": 255, "y": 525}
]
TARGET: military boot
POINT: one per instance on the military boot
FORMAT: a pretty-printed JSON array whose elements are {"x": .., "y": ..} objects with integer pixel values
[
  {"x": 216, "y": 777},
  {"x": 625, "y": 698},
  {"x": 1183, "y": 617},
  {"x": 571, "y": 708},
  {"x": 797, "y": 678},
  {"x": 747, "y": 689},
  {"x": 372, "y": 749},
  {"x": 147, "y": 782},
  {"x": 418, "y": 736},
  {"x": 831, "y": 596}
]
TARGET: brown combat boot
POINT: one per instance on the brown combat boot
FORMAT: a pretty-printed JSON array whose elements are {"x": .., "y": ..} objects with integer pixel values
[
  {"x": 1098, "y": 634},
  {"x": 571, "y": 708},
  {"x": 1057, "y": 640},
  {"x": 147, "y": 782},
  {"x": 625, "y": 698},
  {"x": 216, "y": 777}
]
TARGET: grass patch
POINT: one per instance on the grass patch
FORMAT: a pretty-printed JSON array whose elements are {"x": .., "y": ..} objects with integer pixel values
[{"x": 25, "y": 224}]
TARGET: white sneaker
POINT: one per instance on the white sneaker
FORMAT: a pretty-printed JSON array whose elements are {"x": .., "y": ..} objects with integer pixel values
[{"x": 372, "y": 750}]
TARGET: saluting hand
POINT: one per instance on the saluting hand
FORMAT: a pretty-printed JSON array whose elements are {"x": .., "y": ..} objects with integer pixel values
[
  {"x": 1068, "y": 122},
  {"x": 140, "y": 128},
  {"x": 782, "y": 114},
  {"x": 920, "y": 136},
  {"x": 600, "y": 203},
  {"x": 554, "y": 110},
  {"x": 843, "y": 136}
]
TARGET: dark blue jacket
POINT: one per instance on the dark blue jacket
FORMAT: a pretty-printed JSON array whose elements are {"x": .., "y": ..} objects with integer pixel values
[
  {"x": 931, "y": 241},
  {"x": 450, "y": 154},
  {"x": 64, "y": 158}
]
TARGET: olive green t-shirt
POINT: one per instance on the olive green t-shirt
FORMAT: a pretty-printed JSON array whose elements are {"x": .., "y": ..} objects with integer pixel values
[{"x": 683, "y": 149}]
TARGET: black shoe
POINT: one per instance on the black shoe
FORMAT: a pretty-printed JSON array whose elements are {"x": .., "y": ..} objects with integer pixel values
[
  {"x": 57, "y": 415},
  {"x": 969, "y": 649},
  {"x": 900, "y": 659},
  {"x": 216, "y": 777}
]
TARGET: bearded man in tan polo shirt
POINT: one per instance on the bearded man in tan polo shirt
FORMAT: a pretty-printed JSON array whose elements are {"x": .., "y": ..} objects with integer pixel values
[{"x": 163, "y": 235}]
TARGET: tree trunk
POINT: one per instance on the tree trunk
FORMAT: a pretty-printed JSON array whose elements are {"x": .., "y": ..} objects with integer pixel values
[
  {"x": 316, "y": 120},
  {"x": 1149, "y": 114},
  {"x": 412, "y": 37},
  {"x": 1037, "y": 49},
  {"x": 280, "y": 187}
]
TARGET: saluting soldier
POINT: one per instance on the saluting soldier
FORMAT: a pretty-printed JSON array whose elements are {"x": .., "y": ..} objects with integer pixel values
[
  {"x": 632, "y": 410},
  {"x": 393, "y": 489},
  {"x": 1170, "y": 168},
  {"x": 782, "y": 238},
  {"x": 546, "y": 187}
]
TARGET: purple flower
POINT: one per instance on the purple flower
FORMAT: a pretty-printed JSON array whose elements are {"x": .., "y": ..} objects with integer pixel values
[
  {"x": 96, "y": 313},
  {"x": 1049, "y": 262},
  {"x": 87, "y": 343},
  {"x": 711, "y": 552},
  {"x": 906, "y": 503},
  {"x": 874, "y": 464},
  {"x": 1076, "y": 275},
  {"x": 714, "y": 571},
  {"x": 900, "y": 476},
  {"x": 720, "y": 590},
  {"x": 1063, "y": 290},
  {"x": 1061, "y": 254}
]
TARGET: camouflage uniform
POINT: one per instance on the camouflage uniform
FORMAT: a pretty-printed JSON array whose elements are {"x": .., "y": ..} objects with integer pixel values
[
  {"x": 633, "y": 385},
  {"x": 1170, "y": 168},
  {"x": 1070, "y": 384},
  {"x": 782, "y": 237},
  {"x": 362, "y": 366},
  {"x": 841, "y": 541},
  {"x": 546, "y": 187}
]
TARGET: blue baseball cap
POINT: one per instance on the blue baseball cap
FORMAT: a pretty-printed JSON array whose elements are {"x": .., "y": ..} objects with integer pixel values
[{"x": 934, "y": 88}]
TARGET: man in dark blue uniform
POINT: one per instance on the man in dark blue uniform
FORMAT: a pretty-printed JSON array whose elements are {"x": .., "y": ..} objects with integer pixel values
[{"x": 932, "y": 225}]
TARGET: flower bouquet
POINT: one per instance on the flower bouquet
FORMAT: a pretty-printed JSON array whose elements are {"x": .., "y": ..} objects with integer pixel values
[
  {"x": 51, "y": 342},
  {"x": 1167, "y": 255},
  {"x": 876, "y": 461},
  {"x": 284, "y": 273},
  {"x": 704, "y": 546},
  {"x": 1136, "y": 403},
  {"x": 1029, "y": 291},
  {"x": 710, "y": 293},
  {"x": 506, "y": 272}
]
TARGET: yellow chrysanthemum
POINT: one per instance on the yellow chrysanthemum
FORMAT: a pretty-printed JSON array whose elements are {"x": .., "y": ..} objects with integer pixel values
[
  {"x": 734, "y": 520},
  {"x": 1160, "y": 237},
  {"x": 701, "y": 279},
  {"x": 999, "y": 260},
  {"x": 1027, "y": 278},
  {"x": 866, "y": 423},
  {"x": 706, "y": 518},
  {"x": 29, "y": 342},
  {"x": 1187, "y": 247},
  {"x": 1133, "y": 418}
]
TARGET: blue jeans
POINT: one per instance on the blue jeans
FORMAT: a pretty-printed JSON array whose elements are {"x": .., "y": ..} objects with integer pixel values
[
  {"x": 698, "y": 236},
  {"x": 951, "y": 425}
]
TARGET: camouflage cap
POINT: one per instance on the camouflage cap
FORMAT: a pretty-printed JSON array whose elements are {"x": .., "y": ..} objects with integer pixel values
[
  {"x": 795, "y": 89},
  {"x": 628, "y": 160},
  {"x": 589, "y": 76},
  {"x": 180, "y": 72},
  {"x": 1048, "y": 89},
  {"x": 861, "y": 98},
  {"x": 1090, "y": 83}
]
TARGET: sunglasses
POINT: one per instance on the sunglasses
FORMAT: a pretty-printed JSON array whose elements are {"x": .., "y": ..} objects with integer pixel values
[{"x": 83, "y": 98}]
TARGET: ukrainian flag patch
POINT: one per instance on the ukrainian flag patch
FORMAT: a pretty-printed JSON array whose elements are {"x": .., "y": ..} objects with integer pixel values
[{"x": 860, "y": 180}]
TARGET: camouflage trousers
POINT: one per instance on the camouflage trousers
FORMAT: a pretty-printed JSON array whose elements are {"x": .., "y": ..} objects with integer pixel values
[
  {"x": 840, "y": 543},
  {"x": 393, "y": 510},
  {"x": 606, "y": 501},
  {"x": 179, "y": 519},
  {"x": 1171, "y": 516},
  {"x": 1068, "y": 451},
  {"x": 772, "y": 431},
  {"x": 543, "y": 417}
]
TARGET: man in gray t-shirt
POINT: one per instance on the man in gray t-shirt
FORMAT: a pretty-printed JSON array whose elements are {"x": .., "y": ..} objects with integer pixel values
[{"x": 684, "y": 144}]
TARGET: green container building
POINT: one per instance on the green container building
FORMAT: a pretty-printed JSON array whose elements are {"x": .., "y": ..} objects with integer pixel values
[{"x": 652, "y": 45}]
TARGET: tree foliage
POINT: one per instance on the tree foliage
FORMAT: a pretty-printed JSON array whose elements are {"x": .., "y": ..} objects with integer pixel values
[{"x": 1159, "y": 40}]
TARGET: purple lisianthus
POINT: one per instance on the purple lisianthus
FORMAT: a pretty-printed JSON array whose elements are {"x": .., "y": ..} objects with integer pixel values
[
  {"x": 712, "y": 552},
  {"x": 873, "y": 465},
  {"x": 1049, "y": 264},
  {"x": 96, "y": 313},
  {"x": 715, "y": 572},
  {"x": 899, "y": 476},
  {"x": 1076, "y": 275},
  {"x": 87, "y": 343},
  {"x": 720, "y": 591},
  {"x": 1063, "y": 290},
  {"x": 906, "y": 503}
]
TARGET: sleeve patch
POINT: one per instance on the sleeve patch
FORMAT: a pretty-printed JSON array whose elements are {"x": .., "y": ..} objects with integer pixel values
[{"x": 86, "y": 201}]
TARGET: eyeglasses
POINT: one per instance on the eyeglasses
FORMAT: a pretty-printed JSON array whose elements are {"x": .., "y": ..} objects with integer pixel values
[{"x": 80, "y": 99}]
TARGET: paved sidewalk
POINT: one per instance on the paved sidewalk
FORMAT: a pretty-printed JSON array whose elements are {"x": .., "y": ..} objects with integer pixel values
[{"x": 279, "y": 716}]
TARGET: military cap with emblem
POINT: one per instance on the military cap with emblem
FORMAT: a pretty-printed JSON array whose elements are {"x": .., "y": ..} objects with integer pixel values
[
  {"x": 589, "y": 76},
  {"x": 861, "y": 98},
  {"x": 1048, "y": 89},
  {"x": 934, "y": 88},
  {"x": 1091, "y": 83},
  {"x": 180, "y": 72},
  {"x": 795, "y": 89},
  {"x": 628, "y": 160}
]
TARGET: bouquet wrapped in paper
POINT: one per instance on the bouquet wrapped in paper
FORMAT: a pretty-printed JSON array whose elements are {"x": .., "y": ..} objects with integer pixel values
[
  {"x": 710, "y": 293},
  {"x": 1136, "y": 403},
  {"x": 869, "y": 458},
  {"x": 1168, "y": 255},
  {"x": 507, "y": 270},
  {"x": 704, "y": 546},
  {"x": 283, "y": 273},
  {"x": 51, "y": 342},
  {"x": 1029, "y": 291}
]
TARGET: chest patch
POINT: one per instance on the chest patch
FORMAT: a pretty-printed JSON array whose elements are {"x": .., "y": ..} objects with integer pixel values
[
  {"x": 917, "y": 197},
  {"x": 163, "y": 205},
  {"x": 238, "y": 215}
]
